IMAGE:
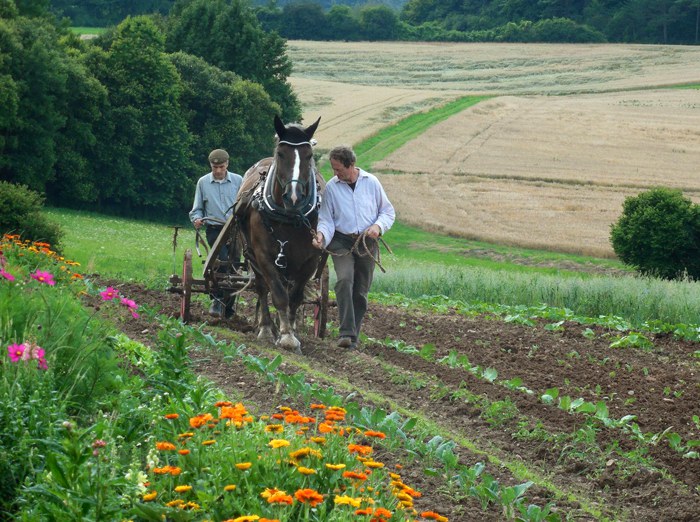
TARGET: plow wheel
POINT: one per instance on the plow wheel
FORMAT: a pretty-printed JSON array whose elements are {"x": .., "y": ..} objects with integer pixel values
[
  {"x": 186, "y": 287},
  {"x": 321, "y": 306}
]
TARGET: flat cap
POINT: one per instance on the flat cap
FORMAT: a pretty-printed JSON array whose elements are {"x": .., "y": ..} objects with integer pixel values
[{"x": 218, "y": 157}]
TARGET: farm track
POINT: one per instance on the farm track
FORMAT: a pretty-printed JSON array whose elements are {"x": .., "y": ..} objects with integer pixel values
[{"x": 590, "y": 474}]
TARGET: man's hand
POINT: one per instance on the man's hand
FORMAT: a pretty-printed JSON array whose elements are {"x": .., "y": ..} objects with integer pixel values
[
  {"x": 374, "y": 231},
  {"x": 317, "y": 242},
  {"x": 198, "y": 223}
]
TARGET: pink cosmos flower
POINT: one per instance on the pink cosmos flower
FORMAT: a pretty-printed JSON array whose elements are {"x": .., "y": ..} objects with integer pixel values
[
  {"x": 131, "y": 305},
  {"x": 44, "y": 277},
  {"x": 15, "y": 351},
  {"x": 109, "y": 293},
  {"x": 6, "y": 275},
  {"x": 32, "y": 351},
  {"x": 42, "y": 364}
]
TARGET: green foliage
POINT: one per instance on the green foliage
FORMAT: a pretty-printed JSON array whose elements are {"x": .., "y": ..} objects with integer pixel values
[
  {"x": 240, "y": 46},
  {"x": 224, "y": 111},
  {"x": 144, "y": 91},
  {"x": 21, "y": 213},
  {"x": 658, "y": 234}
]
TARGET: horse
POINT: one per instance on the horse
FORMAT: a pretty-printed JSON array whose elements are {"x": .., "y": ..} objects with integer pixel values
[{"x": 277, "y": 209}]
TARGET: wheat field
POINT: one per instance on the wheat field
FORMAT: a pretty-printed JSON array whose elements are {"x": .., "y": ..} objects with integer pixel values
[{"x": 546, "y": 163}]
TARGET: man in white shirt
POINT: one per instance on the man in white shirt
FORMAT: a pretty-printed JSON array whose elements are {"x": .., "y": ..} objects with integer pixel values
[
  {"x": 354, "y": 203},
  {"x": 214, "y": 198}
]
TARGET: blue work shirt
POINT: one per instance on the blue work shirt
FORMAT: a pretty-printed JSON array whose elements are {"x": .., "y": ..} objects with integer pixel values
[{"x": 215, "y": 199}]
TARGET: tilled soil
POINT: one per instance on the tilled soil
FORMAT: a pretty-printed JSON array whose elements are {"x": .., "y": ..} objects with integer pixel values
[{"x": 591, "y": 472}]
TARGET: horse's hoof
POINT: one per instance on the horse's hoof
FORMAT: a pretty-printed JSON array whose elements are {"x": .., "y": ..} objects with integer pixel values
[
  {"x": 265, "y": 334},
  {"x": 289, "y": 342}
]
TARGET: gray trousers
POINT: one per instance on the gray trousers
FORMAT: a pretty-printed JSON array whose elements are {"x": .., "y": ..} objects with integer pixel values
[{"x": 354, "y": 278}]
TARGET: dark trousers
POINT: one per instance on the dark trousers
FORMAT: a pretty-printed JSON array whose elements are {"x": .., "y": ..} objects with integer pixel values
[
  {"x": 212, "y": 234},
  {"x": 354, "y": 275}
]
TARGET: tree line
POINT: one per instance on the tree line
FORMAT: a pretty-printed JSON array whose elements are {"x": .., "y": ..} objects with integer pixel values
[
  {"x": 124, "y": 123},
  {"x": 630, "y": 21}
]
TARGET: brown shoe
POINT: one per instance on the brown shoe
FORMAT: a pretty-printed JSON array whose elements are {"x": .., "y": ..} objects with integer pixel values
[{"x": 344, "y": 342}]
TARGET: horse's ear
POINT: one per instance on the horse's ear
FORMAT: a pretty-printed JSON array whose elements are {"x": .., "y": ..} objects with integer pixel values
[
  {"x": 309, "y": 131},
  {"x": 279, "y": 126}
]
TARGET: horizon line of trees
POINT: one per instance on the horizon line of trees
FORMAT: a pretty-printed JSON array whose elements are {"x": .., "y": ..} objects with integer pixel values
[
  {"x": 632, "y": 21},
  {"x": 124, "y": 123}
]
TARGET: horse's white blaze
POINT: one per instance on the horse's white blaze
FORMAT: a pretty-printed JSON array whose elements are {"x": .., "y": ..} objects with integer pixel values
[{"x": 295, "y": 176}]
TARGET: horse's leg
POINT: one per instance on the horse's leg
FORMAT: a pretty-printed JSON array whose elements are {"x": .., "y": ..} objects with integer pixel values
[
  {"x": 265, "y": 333},
  {"x": 280, "y": 299}
]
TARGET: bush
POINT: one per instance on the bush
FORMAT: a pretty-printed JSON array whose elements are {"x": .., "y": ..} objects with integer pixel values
[
  {"x": 20, "y": 213},
  {"x": 658, "y": 234}
]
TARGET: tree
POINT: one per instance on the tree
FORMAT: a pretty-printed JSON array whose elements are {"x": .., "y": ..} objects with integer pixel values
[
  {"x": 342, "y": 24},
  {"x": 224, "y": 111},
  {"x": 379, "y": 22},
  {"x": 658, "y": 234},
  {"x": 227, "y": 34},
  {"x": 32, "y": 83},
  {"x": 144, "y": 89},
  {"x": 303, "y": 21}
]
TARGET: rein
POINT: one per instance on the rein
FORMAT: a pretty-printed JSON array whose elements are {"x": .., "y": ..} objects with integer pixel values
[{"x": 360, "y": 248}]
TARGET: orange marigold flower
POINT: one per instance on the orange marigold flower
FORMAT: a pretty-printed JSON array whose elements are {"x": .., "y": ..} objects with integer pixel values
[
  {"x": 175, "y": 503},
  {"x": 182, "y": 489},
  {"x": 277, "y": 416},
  {"x": 354, "y": 475},
  {"x": 335, "y": 467},
  {"x": 271, "y": 491},
  {"x": 376, "y": 434},
  {"x": 309, "y": 496},
  {"x": 186, "y": 435},
  {"x": 223, "y": 403},
  {"x": 76, "y": 275},
  {"x": 274, "y": 428},
  {"x": 184, "y": 452},
  {"x": 347, "y": 501},
  {"x": 324, "y": 427},
  {"x": 433, "y": 516},
  {"x": 229, "y": 487},
  {"x": 200, "y": 420},
  {"x": 382, "y": 512},
  {"x": 360, "y": 449},
  {"x": 245, "y": 518},
  {"x": 280, "y": 497},
  {"x": 306, "y": 471},
  {"x": 208, "y": 442},
  {"x": 318, "y": 407},
  {"x": 165, "y": 446},
  {"x": 374, "y": 464},
  {"x": 235, "y": 413},
  {"x": 269, "y": 520},
  {"x": 318, "y": 440},
  {"x": 148, "y": 497},
  {"x": 244, "y": 465},
  {"x": 171, "y": 416},
  {"x": 365, "y": 511}
]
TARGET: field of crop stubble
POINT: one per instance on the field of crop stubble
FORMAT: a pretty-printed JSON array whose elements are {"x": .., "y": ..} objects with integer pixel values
[{"x": 546, "y": 163}]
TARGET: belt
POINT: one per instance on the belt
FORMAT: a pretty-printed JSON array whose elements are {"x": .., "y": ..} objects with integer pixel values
[
  {"x": 215, "y": 227},
  {"x": 351, "y": 236}
]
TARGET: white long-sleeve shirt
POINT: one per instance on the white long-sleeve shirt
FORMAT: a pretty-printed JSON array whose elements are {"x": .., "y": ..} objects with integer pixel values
[{"x": 353, "y": 211}]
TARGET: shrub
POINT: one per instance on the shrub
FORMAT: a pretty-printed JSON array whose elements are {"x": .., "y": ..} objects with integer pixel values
[
  {"x": 20, "y": 213},
  {"x": 658, "y": 234}
]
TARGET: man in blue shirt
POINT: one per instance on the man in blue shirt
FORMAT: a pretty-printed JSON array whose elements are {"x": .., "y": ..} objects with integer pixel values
[
  {"x": 354, "y": 203},
  {"x": 213, "y": 204}
]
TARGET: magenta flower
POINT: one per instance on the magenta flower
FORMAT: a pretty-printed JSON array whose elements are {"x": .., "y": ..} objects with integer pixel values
[
  {"x": 131, "y": 305},
  {"x": 42, "y": 364},
  {"x": 15, "y": 351},
  {"x": 32, "y": 351},
  {"x": 44, "y": 277},
  {"x": 6, "y": 275},
  {"x": 109, "y": 293}
]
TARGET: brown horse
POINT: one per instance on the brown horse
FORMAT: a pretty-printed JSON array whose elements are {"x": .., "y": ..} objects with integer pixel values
[{"x": 277, "y": 207}]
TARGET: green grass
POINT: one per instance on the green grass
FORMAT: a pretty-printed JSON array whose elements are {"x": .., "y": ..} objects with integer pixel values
[{"x": 88, "y": 30}]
